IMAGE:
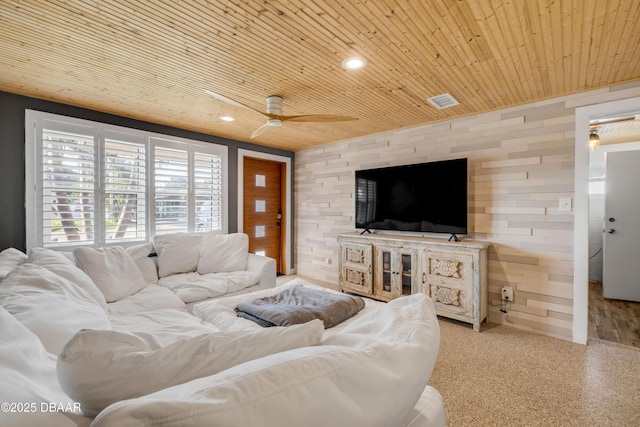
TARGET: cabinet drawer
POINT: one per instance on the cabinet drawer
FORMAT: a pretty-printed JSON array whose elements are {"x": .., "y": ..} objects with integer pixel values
[
  {"x": 448, "y": 280},
  {"x": 356, "y": 268}
]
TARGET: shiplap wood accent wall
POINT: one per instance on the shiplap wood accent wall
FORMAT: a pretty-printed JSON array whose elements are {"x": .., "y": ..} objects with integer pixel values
[{"x": 521, "y": 161}]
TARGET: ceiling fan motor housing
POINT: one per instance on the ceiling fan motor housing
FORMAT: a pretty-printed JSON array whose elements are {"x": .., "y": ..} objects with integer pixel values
[{"x": 274, "y": 105}]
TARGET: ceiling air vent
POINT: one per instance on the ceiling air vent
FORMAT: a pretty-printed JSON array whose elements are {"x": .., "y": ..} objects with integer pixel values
[{"x": 443, "y": 101}]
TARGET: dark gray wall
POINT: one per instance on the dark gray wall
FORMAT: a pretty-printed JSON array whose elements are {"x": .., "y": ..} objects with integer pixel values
[{"x": 12, "y": 168}]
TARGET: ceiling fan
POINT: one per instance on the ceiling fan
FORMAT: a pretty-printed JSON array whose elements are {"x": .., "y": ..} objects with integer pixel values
[{"x": 274, "y": 113}]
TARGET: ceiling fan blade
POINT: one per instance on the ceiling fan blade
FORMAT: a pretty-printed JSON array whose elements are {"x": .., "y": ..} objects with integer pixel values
[
  {"x": 317, "y": 118},
  {"x": 229, "y": 101},
  {"x": 259, "y": 131}
]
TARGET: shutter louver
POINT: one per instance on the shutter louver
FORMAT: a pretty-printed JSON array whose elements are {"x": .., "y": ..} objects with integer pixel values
[
  {"x": 208, "y": 191},
  {"x": 171, "y": 171},
  {"x": 68, "y": 161},
  {"x": 125, "y": 191}
]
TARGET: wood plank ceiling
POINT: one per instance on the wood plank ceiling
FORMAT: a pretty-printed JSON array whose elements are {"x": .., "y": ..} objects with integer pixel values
[{"x": 151, "y": 60}]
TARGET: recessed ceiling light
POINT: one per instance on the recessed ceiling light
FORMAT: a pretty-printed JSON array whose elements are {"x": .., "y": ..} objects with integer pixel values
[
  {"x": 354, "y": 63},
  {"x": 227, "y": 118}
]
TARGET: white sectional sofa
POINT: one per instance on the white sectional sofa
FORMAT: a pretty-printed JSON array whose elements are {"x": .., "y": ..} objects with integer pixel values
[
  {"x": 197, "y": 266},
  {"x": 70, "y": 358}
]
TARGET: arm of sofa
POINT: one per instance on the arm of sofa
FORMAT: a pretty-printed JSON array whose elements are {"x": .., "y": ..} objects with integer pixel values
[{"x": 265, "y": 267}]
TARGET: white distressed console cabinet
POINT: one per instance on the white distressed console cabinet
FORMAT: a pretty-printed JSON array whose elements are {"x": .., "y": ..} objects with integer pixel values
[{"x": 384, "y": 267}]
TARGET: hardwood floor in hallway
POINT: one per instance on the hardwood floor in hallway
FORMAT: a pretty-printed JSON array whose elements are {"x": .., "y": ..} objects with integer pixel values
[{"x": 613, "y": 320}]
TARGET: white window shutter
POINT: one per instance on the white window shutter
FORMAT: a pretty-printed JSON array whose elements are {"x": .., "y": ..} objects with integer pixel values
[
  {"x": 208, "y": 191},
  {"x": 93, "y": 184},
  {"x": 67, "y": 187},
  {"x": 125, "y": 189},
  {"x": 171, "y": 183}
]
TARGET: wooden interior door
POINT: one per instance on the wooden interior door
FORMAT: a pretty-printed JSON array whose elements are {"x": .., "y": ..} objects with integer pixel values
[{"x": 263, "y": 208}]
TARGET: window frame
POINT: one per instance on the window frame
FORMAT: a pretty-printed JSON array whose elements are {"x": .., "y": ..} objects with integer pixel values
[{"x": 100, "y": 131}]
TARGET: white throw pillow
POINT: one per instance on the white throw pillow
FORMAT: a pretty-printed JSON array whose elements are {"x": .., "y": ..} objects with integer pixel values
[
  {"x": 373, "y": 384},
  {"x": 98, "y": 368},
  {"x": 50, "y": 306},
  {"x": 61, "y": 264},
  {"x": 9, "y": 259},
  {"x": 113, "y": 271},
  {"x": 223, "y": 253},
  {"x": 177, "y": 252},
  {"x": 140, "y": 254}
]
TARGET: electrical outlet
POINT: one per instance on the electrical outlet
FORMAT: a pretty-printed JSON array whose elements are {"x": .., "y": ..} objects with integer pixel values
[
  {"x": 564, "y": 204},
  {"x": 507, "y": 293}
]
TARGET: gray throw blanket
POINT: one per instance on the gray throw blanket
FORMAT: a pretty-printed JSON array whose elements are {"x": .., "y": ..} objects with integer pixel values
[{"x": 298, "y": 304}]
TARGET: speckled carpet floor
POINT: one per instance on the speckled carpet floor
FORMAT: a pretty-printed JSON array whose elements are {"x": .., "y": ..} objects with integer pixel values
[{"x": 503, "y": 376}]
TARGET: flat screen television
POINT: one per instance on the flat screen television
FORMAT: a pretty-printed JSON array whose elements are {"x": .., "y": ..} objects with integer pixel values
[{"x": 426, "y": 197}]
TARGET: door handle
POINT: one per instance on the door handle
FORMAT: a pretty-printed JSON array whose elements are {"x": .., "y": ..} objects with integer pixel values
[{"x": 611, "y": 231}]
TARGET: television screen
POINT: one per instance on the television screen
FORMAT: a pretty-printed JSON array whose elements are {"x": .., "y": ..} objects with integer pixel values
[{"x": 427, "y": 197}]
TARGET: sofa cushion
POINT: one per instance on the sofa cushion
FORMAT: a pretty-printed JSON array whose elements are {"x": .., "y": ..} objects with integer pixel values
[
  {"x": 191, "y": 287},
  {"x": 112, "y": 269},
  {"x": 162, "y": 326},
  {"x": 29, "y": 379},
  {"x": 140, "y": 255},
  {"x": 177, "y": 252},
  {"x": 410, "y": 318},
  {"x": 50, "y": 306},
  {"x": 151, "y": 297},
  {"x": 26, "y": 366},
  {"x": 98, "y": 368},
  {"x": 428, "y": 412},
  {"x": 62, "y": 264},
  {"x": 372, "y": 380},
  {"x": 10, "y": 258},
  {"x": 223, "y": 253}
]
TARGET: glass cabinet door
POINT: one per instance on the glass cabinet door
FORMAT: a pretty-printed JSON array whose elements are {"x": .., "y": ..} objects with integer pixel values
[
  {"x": 387, "y": 274},
  {"x": 406, "y": 272},
  {"x": 395, "y": 272}
]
